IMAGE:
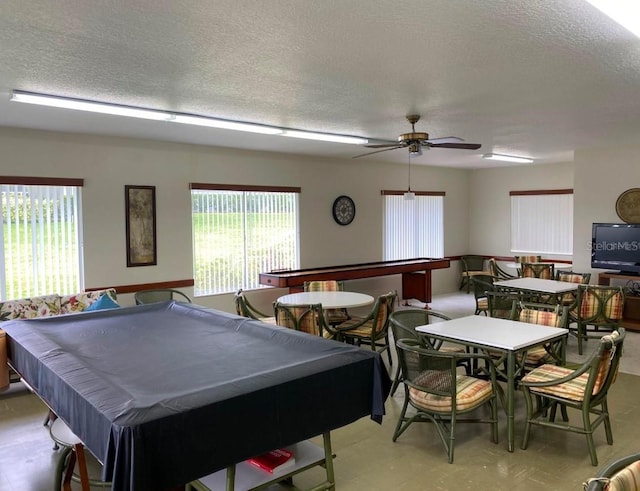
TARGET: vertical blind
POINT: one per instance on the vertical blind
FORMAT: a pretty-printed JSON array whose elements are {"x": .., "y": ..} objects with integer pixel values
[
  {"x": 40, "y": 240},
  {"x": 239, "y": 234},
  {"x": 542, "y": 223},
  {"x": 413, "y": 228}
]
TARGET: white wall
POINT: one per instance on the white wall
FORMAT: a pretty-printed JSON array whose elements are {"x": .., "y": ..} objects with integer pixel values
[{"x": 108, "y": 164}]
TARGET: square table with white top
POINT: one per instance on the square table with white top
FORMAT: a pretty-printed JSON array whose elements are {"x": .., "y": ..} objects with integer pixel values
[
  {"x": 506, "y": 336},
  {"x": 539, "y": 285}
]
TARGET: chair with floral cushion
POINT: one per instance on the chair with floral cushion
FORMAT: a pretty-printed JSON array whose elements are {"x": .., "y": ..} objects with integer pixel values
[
  {"x": 621, "y": 474},
  {"x": 442, "y": 396},
  {"x": 403, "y": 325},
  {"x": 334, "y": 316},
  {"x": 373, "y": 329},
  {"x": 598, "y": 308},
  {"x": 308, "y": 318},
  {"x": 584, "y": 388},
  {"x": 544, "y": 271},
  {"x": 246, "y": 309}
]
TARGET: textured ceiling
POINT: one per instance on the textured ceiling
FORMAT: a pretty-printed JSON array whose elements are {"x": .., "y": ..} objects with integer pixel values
[{"x": 536, "y": 78}]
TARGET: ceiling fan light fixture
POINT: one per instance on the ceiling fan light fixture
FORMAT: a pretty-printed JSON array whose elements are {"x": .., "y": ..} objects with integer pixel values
[
  {"x": 327, "y": 137},
  {"x": 90, "y": 106},
  {"x": 507, "y": 158}
]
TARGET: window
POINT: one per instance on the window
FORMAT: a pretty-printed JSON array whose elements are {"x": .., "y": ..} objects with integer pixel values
[
  {"x": 413, "y": 228},
  {"x": 542, "y": 221},
  {"x": 41, "y": 237},
  {"x": 240, "y": 232}
]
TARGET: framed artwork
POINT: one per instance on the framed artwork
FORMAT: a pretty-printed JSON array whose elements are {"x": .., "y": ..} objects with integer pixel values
[{"x": 140, "y": 210}]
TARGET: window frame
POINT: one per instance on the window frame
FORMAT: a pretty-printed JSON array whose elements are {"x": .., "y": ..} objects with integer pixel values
[
  {"x": 79, "y": 232},
  {"x": 554, "y": 227},
  {"x": 240, "y": 188}
]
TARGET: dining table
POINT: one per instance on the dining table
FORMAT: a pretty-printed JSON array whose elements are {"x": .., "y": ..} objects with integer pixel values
[
  {"x": 329, "y": 300},
  {"x": 556, "y": 266},
  {"x": 505, "y": 336},
  {"x": 553, "y": 288}
]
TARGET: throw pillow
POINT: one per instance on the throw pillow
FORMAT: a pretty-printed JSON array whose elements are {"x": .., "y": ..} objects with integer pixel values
[{"x": 103, "y": 303}]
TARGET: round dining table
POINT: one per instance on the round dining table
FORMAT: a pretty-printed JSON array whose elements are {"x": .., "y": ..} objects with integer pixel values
[{"x": 329, "y": 300}]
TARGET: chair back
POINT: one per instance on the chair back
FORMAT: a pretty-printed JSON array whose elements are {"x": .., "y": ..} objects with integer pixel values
[
  {"x": 497, "y": 271},
  {"x": 472, "y": 263},
  {"x": 502, "y": 304},
  {"x": 571, "y": 277},
  {"x": 599, "y": 305},
  {"x": 160, "y": 295},
  {"x": 306, "y": 318},
  {"x": 604, "y": 365},
  {"x": 481, "y": 284},
  {"x": 527, "y": 259},
  {"x": 323, "y": 286},
  {"x": 382, "y": 310},
  {"x": 404, "y": 322},
  {"x": 537, "y": 270},
  {"x": 543, "y": 314}
]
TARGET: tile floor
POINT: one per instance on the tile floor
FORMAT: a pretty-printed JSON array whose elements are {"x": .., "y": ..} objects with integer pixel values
[{"x": 367, "y": 459}]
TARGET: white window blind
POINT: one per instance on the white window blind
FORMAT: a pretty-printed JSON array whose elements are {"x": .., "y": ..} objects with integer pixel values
[
  {"x": 413, "y": 228},
  {"x": 40, "y": 239},
  {"x": 542, "y": 223},
  {"x": 239, "y": 234}
]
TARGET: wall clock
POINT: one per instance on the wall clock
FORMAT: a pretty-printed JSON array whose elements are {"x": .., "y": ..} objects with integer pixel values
[
  {"x": 628, "y": 206},
  {"x": 344, "y": 210}
]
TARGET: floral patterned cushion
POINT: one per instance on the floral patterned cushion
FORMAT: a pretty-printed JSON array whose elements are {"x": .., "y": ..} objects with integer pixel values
[
  {"x": 28, "y": 308},
  {"x": 77, "y": 302}
]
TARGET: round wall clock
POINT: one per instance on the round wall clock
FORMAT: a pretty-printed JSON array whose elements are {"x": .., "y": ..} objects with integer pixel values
[
  {"x": 628, "y": 206},
  {"x": 344, "y": 210}
]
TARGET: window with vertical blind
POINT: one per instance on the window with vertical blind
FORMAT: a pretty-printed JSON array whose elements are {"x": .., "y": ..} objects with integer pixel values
[
  {"x": 41, "y": 237},
  {"x": 542, "y": 221},
  {"x": 413, "y": 228},
  {"x": 240, "y": 232}
]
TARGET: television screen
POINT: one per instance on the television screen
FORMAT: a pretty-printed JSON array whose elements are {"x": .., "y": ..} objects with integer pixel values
[{"x": 616, "y": 246}]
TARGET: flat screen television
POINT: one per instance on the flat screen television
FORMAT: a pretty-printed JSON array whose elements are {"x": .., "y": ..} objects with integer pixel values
[{"x": 616, "y": 246}]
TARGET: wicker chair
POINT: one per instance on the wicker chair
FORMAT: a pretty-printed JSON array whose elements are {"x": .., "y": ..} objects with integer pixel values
[
  {"x": 304, "y": 318},
  {"x": 440, "y": 395},
  {"x": 598, "y": 308},
  {"x": 246, "y": 309},
  {"x": 334, "y": 316},
  {"x": 584, "y": 388},
  {"x": 372, "y": 329},
  {"x": 471, "y": 266},
  {"x": 160, "y": 295},
  {"x": 618, "y": 475},
  {"x": 482, "y": 284},
  {"x": 537, "y": 270},
  {"x": 571, "y": 298},
  {"x": 497, "y": 271},
  {"x": 403, "y": 325}
]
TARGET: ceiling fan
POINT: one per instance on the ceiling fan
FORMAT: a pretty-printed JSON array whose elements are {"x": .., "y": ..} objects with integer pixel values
[{"x": 415, "y": 141}]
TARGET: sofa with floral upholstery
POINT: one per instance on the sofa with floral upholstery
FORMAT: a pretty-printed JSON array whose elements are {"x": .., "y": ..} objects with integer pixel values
[{"x": 49, "y": 305}]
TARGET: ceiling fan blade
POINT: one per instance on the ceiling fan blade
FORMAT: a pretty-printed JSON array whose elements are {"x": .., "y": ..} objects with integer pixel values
[
  {"x": 461, "y": 146},
  {"x": 383, "y": 145},
  {"x": 377, "y": 151},
  {"x": 446, "y": 139}
]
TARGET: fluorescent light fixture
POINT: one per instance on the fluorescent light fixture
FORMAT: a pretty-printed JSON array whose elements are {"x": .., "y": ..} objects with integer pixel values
[
  {"x": 228, "y": 125},
  {"x": 624, "y": 12},
  {"x": 94, "y": 107},
  {"x": 119, "y": 110},
  {"x": 507, "y": 158},
  {"x": 308, "y": 135}
]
